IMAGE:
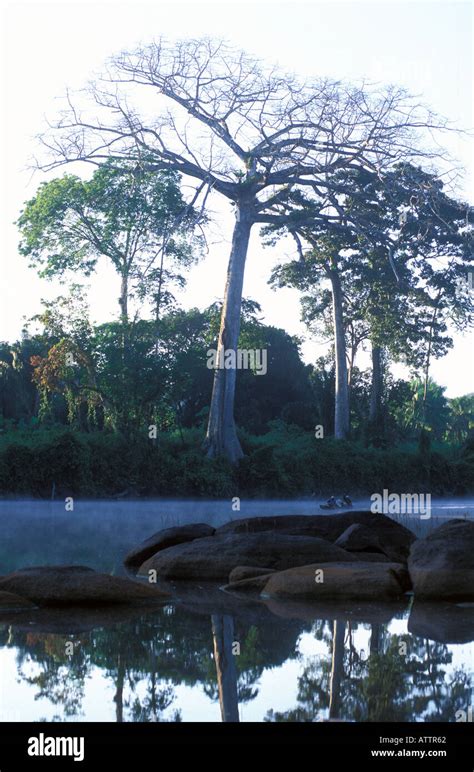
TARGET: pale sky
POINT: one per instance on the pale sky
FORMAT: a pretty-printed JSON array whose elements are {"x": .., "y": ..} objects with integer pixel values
[{"x": 425, "y": 46}]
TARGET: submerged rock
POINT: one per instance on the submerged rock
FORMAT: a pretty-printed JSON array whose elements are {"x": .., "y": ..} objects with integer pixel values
[
  {"x": 214, "y": 558},
  {"x": 441, "y": 565},
  {"x": 69, "y": 585},
  {"x": 332, "y": 581},
  {"x": 168, "y": 537}
]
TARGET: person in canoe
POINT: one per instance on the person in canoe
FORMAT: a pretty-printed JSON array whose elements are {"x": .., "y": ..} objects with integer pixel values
[{"x": 333, "y": 503}]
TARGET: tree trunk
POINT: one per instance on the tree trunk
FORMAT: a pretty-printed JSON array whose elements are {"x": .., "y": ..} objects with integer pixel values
[
  {"x": 424, "y": 442},
  {"x": 223, "y": 636},
  {"x": 221, "y": 438},
  {"x": 341, "y": 413},
  {"x": 376, "y": 386},
  {"x": 426, "y": 369},
  {"x": 350, "y": 360},
  {"x": 123, "y": 299}
]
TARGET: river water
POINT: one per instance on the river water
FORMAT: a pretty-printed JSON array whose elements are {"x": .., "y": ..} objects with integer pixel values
[{"x": 209, "y": 656}]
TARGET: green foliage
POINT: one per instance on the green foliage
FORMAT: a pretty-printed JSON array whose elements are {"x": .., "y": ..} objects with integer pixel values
[
  {"x": 137, "y": 220},
  {"x": 88, "y": 434},
  {"x": 286, "y": 461},
  {"x": 81, "y": 425},
  {"x": 399, "y": 253}
]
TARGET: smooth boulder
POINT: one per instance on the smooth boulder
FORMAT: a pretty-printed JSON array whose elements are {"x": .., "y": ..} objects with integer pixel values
[
  {"x": 250, "y": 584},
  {"x": 9, "y": 601},
  {"x": 333, "y": 581},
  {"x": 359, "y": 538},
  {"x": 441, "y": 565},
  {"x": 70, "y": 585},
  {"x": 168, "y": 537},
  {"x": 393, "y": 538},
  {"x": 372, "y": 557},
  {"x": 259, "y": 524},
  {"x": 247, "y": 572},
  {"x": 214, "y": 558}
]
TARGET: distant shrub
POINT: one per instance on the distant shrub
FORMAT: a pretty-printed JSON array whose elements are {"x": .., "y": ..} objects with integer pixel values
[
  {"x": 65, "y": 462},
  {"x": 287, "y": 461},
  {"x": 18, "y": 469}
]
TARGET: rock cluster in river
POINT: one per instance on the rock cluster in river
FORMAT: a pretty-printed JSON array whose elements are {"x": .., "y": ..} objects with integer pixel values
[
  {"x": 350, "y": 556},
  {"x": 355, "y": 556}
]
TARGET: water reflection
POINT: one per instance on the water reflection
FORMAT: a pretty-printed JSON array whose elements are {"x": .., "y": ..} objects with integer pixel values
[
  {"x": 402, "y": 678},
  {"x": 226, "y": 670},
  {"x": 297, "y": 662}
]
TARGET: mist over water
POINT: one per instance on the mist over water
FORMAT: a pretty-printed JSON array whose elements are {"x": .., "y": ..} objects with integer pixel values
[
  {"x": 99, "y": 533},
  {"x": 297, "y": 662}
]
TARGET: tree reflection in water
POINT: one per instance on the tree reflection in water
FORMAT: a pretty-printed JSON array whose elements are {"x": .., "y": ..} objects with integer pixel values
[
  {"x": 226, "y": 670},
  {"x": 147, "y": 658},
  {"x": 144, "y": 657},
  {"x": 403, "y": 679}
]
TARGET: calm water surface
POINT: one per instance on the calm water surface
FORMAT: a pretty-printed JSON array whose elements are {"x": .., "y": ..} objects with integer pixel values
[{"x": 209, "y": 656}]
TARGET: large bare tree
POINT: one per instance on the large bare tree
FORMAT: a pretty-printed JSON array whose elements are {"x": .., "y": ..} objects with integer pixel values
[{"x": 238, "y": 128}]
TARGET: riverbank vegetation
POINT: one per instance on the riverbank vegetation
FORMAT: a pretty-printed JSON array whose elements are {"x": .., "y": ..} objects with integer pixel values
[{"x": 382, "y": 254}]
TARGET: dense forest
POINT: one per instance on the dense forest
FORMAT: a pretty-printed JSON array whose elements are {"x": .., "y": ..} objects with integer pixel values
[{"x": 131, "y": 406}]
